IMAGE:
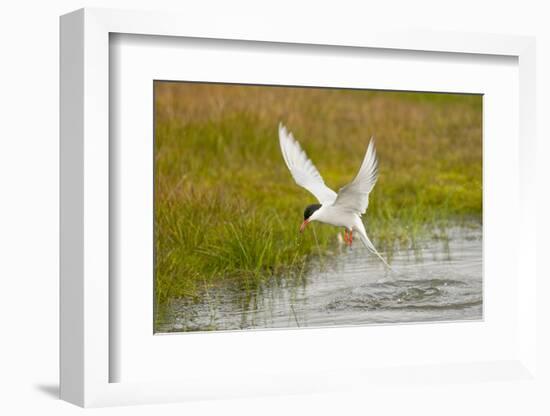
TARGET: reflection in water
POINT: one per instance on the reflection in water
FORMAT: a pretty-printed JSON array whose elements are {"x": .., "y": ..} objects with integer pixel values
[{"x": 440, "y": 281}]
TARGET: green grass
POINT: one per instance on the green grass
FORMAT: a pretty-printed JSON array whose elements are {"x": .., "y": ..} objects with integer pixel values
[{"x": 226, "y": 207}]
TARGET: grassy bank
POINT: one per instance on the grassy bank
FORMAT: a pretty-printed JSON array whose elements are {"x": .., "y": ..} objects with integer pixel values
[{"x": 226, "y": 206}]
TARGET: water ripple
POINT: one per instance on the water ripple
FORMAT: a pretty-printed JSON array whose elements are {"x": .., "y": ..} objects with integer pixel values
[{"x": 441, "y": 281}]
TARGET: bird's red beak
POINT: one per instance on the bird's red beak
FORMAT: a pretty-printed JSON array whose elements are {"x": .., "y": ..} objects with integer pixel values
[{"x": 303, "y": 226}]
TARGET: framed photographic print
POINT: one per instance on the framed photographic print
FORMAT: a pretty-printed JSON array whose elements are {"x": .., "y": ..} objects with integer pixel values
[
  {"x": 230, "y": 251},
  {"x": 270, "y": 214}
]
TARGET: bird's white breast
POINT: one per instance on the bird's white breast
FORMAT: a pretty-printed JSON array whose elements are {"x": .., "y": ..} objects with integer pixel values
[{"x": 335, "y": 216}]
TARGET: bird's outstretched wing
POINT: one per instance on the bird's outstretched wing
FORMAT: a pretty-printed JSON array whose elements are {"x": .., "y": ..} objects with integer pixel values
[
  {"x": 302, "y": 169},
  {"x": 354, "y": 196}
]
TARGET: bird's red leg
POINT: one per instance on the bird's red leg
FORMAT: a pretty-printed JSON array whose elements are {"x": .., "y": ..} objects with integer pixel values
[{"x": 350, "y": 237}]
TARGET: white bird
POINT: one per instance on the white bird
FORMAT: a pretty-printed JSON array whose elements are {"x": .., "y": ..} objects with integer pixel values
[{"x": 342, "y": 209}]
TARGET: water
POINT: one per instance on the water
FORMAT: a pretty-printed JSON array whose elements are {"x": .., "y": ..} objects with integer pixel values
[{"x": 440, "y": 280}]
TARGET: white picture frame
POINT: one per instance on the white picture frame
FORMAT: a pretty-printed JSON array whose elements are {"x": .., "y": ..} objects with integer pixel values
[{"x": 87, "y": 355}]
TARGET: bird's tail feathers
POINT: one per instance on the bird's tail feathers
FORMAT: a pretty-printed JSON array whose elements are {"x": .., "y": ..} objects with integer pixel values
[{"x": 368, "y": 244}]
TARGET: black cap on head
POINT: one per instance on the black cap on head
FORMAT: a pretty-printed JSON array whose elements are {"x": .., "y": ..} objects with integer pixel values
[{"x": 310, "y": 209}]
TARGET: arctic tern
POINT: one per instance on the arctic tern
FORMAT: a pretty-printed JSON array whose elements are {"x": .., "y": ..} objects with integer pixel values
[{"x": 342, "y": 209}]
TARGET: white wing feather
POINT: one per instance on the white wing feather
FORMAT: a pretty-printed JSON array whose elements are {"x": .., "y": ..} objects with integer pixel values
[
  {"x": 302, "y": 169},
  {"x": 354, "y": 196}
]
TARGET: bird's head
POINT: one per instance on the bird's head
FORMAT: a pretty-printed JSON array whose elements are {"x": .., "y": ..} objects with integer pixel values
[{"x": 309, "y": 215}]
